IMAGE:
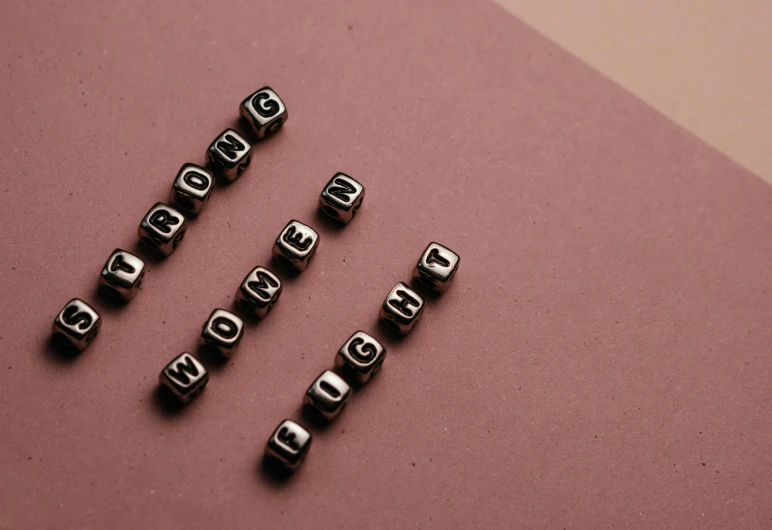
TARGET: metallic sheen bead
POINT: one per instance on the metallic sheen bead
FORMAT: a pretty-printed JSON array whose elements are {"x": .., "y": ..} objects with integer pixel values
[
  {"x": 229, "y": 155},
  {"x": 185, "y": 377},
  {"x": 288, "y": 444},
  {"x": 222, "y": 332},
  {"x": 341, "y": 198},
  {"x": 191, "y": 188},
  {"x": 122, "y": 275},
  {"x": 360, "y": 357},
  {"x": 296, "y": 245},
  {"x": 402, "y": 309},
  {"x": 327, "y": 396},
  {"x": 437, "y": 266},
  {"x": 76, "y": 325},
  {"x": 162, "y": 228},
  {"x": 264, "y": 111},
  {"x": 258, "y": 293}
]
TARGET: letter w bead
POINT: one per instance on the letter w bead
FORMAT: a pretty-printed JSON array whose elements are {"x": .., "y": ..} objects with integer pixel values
[{"x": 184, "y": 376}]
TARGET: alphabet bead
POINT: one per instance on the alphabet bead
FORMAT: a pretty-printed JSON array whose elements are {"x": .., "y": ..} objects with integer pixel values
[
  {"x": 191, "y": 188},
  {"x": 402, "y": 309},
  {"x": 296, "y": 245},
  {"x": 122, "y": 275},
  {"x": 288, "y": 445},
  {"x": 162, "y": 228},
  {"x": 258, "y": 293},
  {"x": 437, "y": 266},
  {"x": 222, "y": 332},
  {"x": 185, "y": 377},
  {"x": 264, "y": 111},
  {"x": 360, "y": 357},
  {"x": 76, "y": 325},
  {"x": 341, "y": 198},
  {"x": 229, "y": 155},
  {"x": 327, "y": 396}
]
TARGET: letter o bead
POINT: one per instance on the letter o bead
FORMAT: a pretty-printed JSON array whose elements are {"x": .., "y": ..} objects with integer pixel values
[
  {"x": 76, "y": 325},
  {"x": 341, "y": 198},
  {"x": 222, "y": 332},
  {"x": 296, "y": 245},
  {"x": 360, "y": 357},
  {"x": 437, "y": 266},
  {"x": 122, "y": 275},
  {"x": 185, "y": 377},
  {"x": 288, "y": 445},
  {"x": 162, "y": 228},
  {"x": 402, "y": 309},
  {"x": 264, "y": 111},
  {"x": 192, "y": 188}
]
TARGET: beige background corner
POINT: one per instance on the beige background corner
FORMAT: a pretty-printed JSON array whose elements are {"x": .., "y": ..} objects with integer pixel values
[{"x": 707, "y": 65}]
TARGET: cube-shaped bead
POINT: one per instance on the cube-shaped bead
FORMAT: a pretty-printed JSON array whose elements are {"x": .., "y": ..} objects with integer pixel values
[
  {"x": 288, "y": 445},
  {"x": 122, "y": 275},
  {"x": 162, "y": 228},
  {"x": 192, "y": 188},
  {"x": 222, "y": 332},
  {"x": 258, "y": 293},
  {"x": 360, "y": 357},
  {"x": 229, "y": 155},
  {"x": 185, "y": 377},
  {"x": 326, "y": 396},
  {"x": 402, "y": 309},
  {"x": 76, "y": 325},
  {"x": 296, "y": 245},
  {"x": 264, "y": 111},
  {"x": 341, "y": 198},
  {"x": 436, "y": 268}
]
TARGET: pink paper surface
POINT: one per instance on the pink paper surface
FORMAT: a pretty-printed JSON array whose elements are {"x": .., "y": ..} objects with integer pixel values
[{"x": 602, "y": 359}]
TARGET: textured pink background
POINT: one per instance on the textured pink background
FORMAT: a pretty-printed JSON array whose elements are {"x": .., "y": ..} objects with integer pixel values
[{"x": 602, "y": 359}]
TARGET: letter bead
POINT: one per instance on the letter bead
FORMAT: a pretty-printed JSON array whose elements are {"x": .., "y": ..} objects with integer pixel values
[
  {"x": 222, "y": 332},
  {"x": 258, "y": 293},
  {"x": 264, "y": 111},
  {"x": 437, "y": 266},
  {"x": 288, "y": 445},
  {"x": 76, "y": 325},
  {"x": 360, "y": 358},
  {"x": 122, "y": 275},
  {"x": 402, "y": 309},
  {"x": 326, "y": 396},
  {"x": 162, "y": 228},
  {"x": 229, "y": 155},
  {"x": 296, "y": 245},
  {"x": 192, "y": 188},
  {"x": 341, "y": 198},
  {"x": 185, "y": 377}
]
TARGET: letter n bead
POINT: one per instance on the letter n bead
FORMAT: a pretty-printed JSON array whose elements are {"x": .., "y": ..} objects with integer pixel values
[
  {"x": 264, "y": 111},
  {"x": 229, "y": 155},
  {"x": 222, "y": 332},
  {"x": 288, "y": 445},
  {"x": 76, "y": 325},
  {"x": 162, "y": 228},
  {"x": 437, "y": 266},
  {"x": 341, "y": 198},
  {"x": 402, "y": 309},
  {"x": 185, "y": 377},
  {"x": 360, "y": 357},
  {"x": 296, "y": 245}
]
